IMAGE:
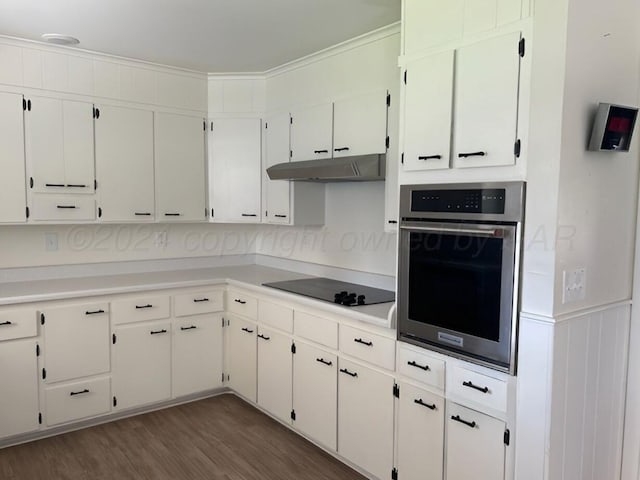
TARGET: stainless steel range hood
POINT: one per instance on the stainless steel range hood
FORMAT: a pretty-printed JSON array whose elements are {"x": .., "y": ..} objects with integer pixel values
[{"x": 345, "y": 169}]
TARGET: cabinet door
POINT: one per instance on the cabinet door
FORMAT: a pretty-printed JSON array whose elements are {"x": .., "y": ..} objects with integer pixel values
[
  {"x": 242, "y": 357},
  {"x": 76, "y": 341},
  {"x": 235, "y": 170},
  {"x": 428, "y": 97},
  {"x": 275, "y": 373},
  {"x": 420, "y": 434},
  {"x": 12, "y": 181},
  {"x": 179, "y": 167},
  {"x": 124, "y": 163},
  {"x": 197, "y": 354},
  {"x": 365, "y": 418},
  {"x": 315, "y": 393},
  {"x": 59, "y": 145},
  {"x": 19, "y": 380},
  {"x": 141, "y": 370},
  {"x": 475, "y": 445},
  {"x": 278, "y": 207},
  {"x": 486, "y": 102},
  {"x": 360, "y": 125},
  {"x": 428, "y": 23},
  {"x": 312, "y": 133}
]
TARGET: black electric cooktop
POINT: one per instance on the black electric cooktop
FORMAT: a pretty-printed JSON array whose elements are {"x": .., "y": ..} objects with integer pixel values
[{"x": 335, "y": 291}]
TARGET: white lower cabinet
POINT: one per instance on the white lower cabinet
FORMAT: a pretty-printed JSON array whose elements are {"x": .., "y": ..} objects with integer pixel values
[
  {"x": 19, "y": 380},
  {"x": 141, "y": 364},
  {"x": 196, "y": 354},
  {"x": 365, "y": 418},
  {"x": 76, "y": 400},
  {"x": 475, "y": 445},
  {"x": 241, "y": 356},
  {"x": 315, "y": 392},
  {"x": 420, "y": 438},
  {"x": 275, "y": 370}
]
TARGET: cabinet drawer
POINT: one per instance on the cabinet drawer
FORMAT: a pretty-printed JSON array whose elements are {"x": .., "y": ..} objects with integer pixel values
[
  {"x": 242, "y": 304},
  {"x": 317, "y": 329},
  {"x": 63, "y": 207},
  {"x": 469, "y": 386},
  {"x": 421, "y": 367},
  {"x": 369, "y": 347},
  {"x": 275, "y": 315},
  {"x": 19, "y": 323},
  {"x": 195, "y": 303},
  {"x": 73, "y": 401},
  {"x": 140, "y": 309}
]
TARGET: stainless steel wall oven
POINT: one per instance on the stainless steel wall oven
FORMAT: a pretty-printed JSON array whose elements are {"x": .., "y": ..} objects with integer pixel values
[{"x": 459, "y": 266}]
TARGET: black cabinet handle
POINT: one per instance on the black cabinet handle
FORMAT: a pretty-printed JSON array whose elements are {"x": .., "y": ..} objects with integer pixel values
[
  {"x": 321, "y": 151},
  {"x": 142, "y": 214},
  {"x": 280, "y": 216},
  {"x": 322, "y": 360},
  {"x": 244, "y": 329},
  {"x": 192, "y": 327},
  {"x": 393, "y": 222},
  {"x": 249, "y": 215},
  {"x": 198, "y": 300},
  {"x": 95, "y": 312},
  {"x": 351, "y": 374},
  {"x": 172, "y": 214},
  {"x": 79, "y": 393},
  {"x": 156, "y": 332},
  {"x": 429, "y": 157},
  {"x": 471, "y": 154},
  {"x": 97, "y": 113},
  {"x": 139, "y": 307},
  {"x": 468, "y": 424},
  {"x": 58, "y": 185},
  {"x": 363, "y": 342},
  {"x": 241, "y": 302},
  {"x": 475, "y": 387},
  {"x": 263, "y": 337},
  {"x": 71, "y": 185},
  {"x": 426, "y": 368},
  {"x": 419, "y": 401},
  {"x": 341, "y": 149},
  {"x": 66, "y": 207},
  {"x": 6, "y": 323}
]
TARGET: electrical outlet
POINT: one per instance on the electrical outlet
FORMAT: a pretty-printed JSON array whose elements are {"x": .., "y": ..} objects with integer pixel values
[
  {"x": 574, "y": 285},
  {"x": 160, "y": 239},
  {"x": 51, "y": 242}
]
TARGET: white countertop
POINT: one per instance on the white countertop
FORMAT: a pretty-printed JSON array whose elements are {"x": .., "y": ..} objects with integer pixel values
[{"x": 244, "y": 276}]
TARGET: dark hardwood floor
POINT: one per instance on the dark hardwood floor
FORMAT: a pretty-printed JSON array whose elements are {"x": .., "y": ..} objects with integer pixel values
[{"x": 220, "y": 438}]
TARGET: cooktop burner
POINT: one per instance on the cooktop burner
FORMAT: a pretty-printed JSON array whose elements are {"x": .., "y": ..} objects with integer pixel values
[{"x": 335, "y": 291}]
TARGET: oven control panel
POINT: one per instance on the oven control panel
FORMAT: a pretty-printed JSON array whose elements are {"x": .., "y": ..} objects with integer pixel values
[{"x": 462, "y": 201}]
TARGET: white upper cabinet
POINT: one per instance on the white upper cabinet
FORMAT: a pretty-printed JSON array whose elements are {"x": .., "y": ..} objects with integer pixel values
[
  {"x": 428, "y": 95},
  {"x": 360, "y": 125},
  {"x": 179, "y": 167},
  {"x": 124, "y": 164},
  {"x": 59, "y": 145},
  {"x": 278, "y": 203},
  {"x": 486, "y": 102},
  {"x": 12, "y": 181},
  {"x": 312, "y": 132},
  {"x": 235, "y": 170}
]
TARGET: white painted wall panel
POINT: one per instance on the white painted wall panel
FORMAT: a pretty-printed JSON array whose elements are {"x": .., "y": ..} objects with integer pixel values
[
  {"x": 107, "y": 81},
  {"x": 80, "y": 75},
  {"x": 32, "y": 68},
  {"x": 11, "y": 61}
]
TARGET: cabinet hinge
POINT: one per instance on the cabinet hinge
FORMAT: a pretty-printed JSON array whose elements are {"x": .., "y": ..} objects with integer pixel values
[
  {"x": 204, "y": 125},
  {"x": 402, "y": 158},
  {"x": 291, "y": 120},
  {"x": 24, "y": 104},
  {"x": 42, "y": 319},
  {"x": 95, "y": 184},
  {"x": 29, "y": 105},
  {"x": 39, "y": 418},
  {"x": 290, "y": 153},
  {"x": 113, "y": 338},
  {"x": 27, "y": 212},
  {"x": 44, "y": 373},
  {"x": 405, "y": 77},
  {"x": 212, "y": 126},
  {"x": 516, "y": 148},
  {"x": 394, "y": 474},
  {"x": 293, "y": 414},
  {"x": 266, "y": 213},
  {"x": 31, "y": 182},
  {"x": 521, "y": 47},
  {"x": 386, "y": 142},
  {"x": 266, "y": 126},
  {"x": 37, "y": 350},
  {"x": 222, "y": 322},
  {"x": 507, "y": 437},
  {"x": 293, "y": 348},
  {"x": 396, "y": 390},
  {"x": 97, "y": 113},
  {"x": 388, "y": 99},
  {"x": 115, "y": 401},
  {"x": 93, "y": 112},
  {"x": 222, "y": 378},
  {"x": 99, "y": 212}
]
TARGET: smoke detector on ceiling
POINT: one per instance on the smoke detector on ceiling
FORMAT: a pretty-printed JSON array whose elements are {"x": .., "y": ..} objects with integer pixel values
[{"x": 58, "y": 39}]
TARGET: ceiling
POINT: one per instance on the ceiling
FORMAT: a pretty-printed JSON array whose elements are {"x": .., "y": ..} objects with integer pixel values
[{"x": 205, "y": 35}]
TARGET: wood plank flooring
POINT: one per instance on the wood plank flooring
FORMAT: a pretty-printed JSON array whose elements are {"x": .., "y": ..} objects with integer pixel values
[{"x": 220, "y": 438}]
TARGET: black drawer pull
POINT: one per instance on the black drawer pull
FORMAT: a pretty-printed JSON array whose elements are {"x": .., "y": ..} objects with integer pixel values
[
  {"x": 468, "y": 424},
  {"x": 192, "y": 327},
  {"x": 6, "y": 323},
  {"x": 94, "y": 312},
  {"x": 419, "y": 401},
  {"x": 426, "y": 368},
  {"x": 321, "y": 151},
  {"x": 326, "y": 362},
  {"x": 341, "y": 149},
  {"x": 429, "y": 157},
  {"x": 280, "y": 216},
  {"x": 241, "y": 302},
  {"x": 66, "y": 207},
  {"x": 363, "y": 342},
  {"x": 393, "y": 222},
  {"x": 156, "y": 332},
  {"x": 351, "y": 374},
  {"x": 471, "y": 154},
  {"x": 57, "y": 185},
  {"x": 71, "y": 185},
  {"x": 140, "y": 307},
  {"x": 198, "y": 300},
  {"x": 172, "y": 214},
  {"x": 248, "y": 330},
  {"x": 79, "y": 393},
  {"x": 142, "y": 214},
  {"x": 249, "y": 215},
  {"x": 475, "y": 387},
  {"x": 263, "y": 337}
]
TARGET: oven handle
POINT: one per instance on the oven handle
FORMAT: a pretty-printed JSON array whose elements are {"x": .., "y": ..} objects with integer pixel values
[{"x": 493, "y": 232}]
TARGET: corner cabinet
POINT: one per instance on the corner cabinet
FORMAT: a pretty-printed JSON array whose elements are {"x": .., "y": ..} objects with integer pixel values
[{"x": 12, "y": 181}]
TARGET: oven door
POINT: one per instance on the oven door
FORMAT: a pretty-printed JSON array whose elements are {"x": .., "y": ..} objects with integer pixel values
[{"x": 456, "y": 289}]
